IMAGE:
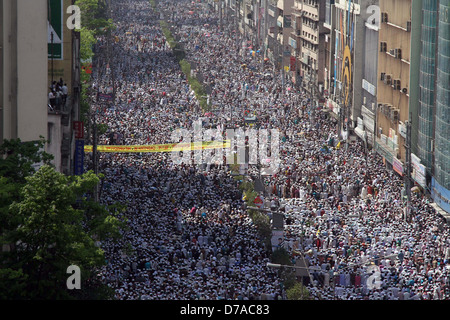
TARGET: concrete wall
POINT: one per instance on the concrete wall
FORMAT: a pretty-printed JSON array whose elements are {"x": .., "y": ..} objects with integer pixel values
[
  {"x": 24, "y": 76},
  {"x": 416, "y": 26},
  {"x": 32, "y": 69}
]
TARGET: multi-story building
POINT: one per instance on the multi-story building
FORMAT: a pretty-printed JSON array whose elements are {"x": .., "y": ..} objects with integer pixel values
[
  {"x": 25, "y": 76},
  {"x": 440, "y": 184},
  {"x": 63, "y": 63},
  {"x": 369, "y": 24},
  {"x": 427, "y": 77},
  {"x": 23, "y": 72},
  {"x": 393, "y": 81},
  {"x": 295, "y": 41},
  {"x": 429, "y": 101},
  {"x": 351, "y": 61},
  {"x": 360, "y": 55},
  {"x": 346, "y": 63},
  {"x": 278, "y": 29},
  {"x": 274, "y": 52},
  {"x": 284, "y": 22},
  {"x": 312, "y": 35}
]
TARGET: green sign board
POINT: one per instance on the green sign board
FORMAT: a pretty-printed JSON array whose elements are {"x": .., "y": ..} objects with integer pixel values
[{"x": 55, "y": 29}]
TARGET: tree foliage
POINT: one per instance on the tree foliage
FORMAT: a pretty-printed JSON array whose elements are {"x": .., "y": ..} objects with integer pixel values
[
  {"x": 59, "y": 226},
  {"x": 87, "y": 41},
  {"x": 18, "y": 160},
  {"x": 94, "y": 22},
  {"x": 281, "y": 256},
  {"x": 49, "y": 221},
  {"x": 94, "y": 16},
  {"x": 297, "y": 292}
]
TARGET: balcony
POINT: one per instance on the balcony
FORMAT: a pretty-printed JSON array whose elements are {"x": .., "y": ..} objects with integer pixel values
[
  {"x": 296, "y": 34},
  {"x": 309, "y": 53},
  {"x": 310, "y": 34},
  {"x": 311, "y": 11},
  {"x": 311, "y": 30},
  {"x": 280, "y": 21},
  {"x": 297, "y": 12}
]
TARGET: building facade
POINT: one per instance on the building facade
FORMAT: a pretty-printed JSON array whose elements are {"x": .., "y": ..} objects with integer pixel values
[
  {"x": 440, "y": 184},
  {"x": 393, "y": 81},
  {"x": 379, "y": 66},
  {"x": 63, "y": 64},
  {"x": 23, "y": 75},
  {"x": 308, "y": 41},
  {"x": 429, "y": 101},
  {"x": 26, "y": 72}
]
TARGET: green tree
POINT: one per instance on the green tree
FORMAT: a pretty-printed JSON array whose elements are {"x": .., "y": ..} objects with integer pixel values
[
  {"x": 59, "y": 226},
  {"x": 281, "y": 256},
  {"x": 87, "y": 41},
  {"x": 94, "y": 16},
  {"x": 18, "y": 160},
  {"x": 94, "y": 22},
  {"x": 297, "y": 292}
]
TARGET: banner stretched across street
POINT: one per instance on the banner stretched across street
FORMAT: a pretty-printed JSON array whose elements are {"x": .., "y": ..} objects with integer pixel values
[{"x": 160, "y": 147}]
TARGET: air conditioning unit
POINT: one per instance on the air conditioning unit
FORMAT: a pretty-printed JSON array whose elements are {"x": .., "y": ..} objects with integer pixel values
[
  {"x": 387, "y": 110},
  {"x": 383, "y": 46},
  {"x": 392, "y": 52},
  {"x": 398, "y": 53},
  {"x": 397, "y": 84},
  {"x": 408, "y": 26},
  {"x": 388, "y": 79},
  {"x": 405, "y": 90},
  {"x": 395, "y": 114},
  {"x": 384, "y": 17}
]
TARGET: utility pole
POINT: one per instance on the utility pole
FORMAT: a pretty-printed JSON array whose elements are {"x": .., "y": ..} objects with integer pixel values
[
  {"x": 110, "y": 56},
  {"x": 348, "y": 123},
  {"x": 220, "y": 14},
  {"x": 53, "y": 69},
  {"x": 225, "y": 12},
  {"x": 408, "y": 164},
  {"x": 257, "y": 20},
  {"x": 265, "y": 26},
  {"x": 312, "y": 81},
  {"x": 95, "y": 155}
]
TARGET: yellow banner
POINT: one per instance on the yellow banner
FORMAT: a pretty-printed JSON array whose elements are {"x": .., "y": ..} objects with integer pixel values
[{"x": 161, "y": 147}]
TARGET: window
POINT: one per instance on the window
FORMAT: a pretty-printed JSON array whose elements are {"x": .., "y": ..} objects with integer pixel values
[{"x": 49, "y": 132}]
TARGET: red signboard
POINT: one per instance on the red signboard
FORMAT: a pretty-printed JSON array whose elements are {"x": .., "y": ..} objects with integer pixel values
[
  {"x": 78, "y": 128},
  {"x": 258, "y": 202},
  {"x": 292, "y": 63}
]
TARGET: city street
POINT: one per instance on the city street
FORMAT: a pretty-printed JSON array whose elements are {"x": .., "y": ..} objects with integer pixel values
[{"x": 190, "y": 234}]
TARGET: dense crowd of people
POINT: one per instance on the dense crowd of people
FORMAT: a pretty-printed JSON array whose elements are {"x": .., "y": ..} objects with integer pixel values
[
  {"x": 57, "y": 95},
  {"x": 189, "y": 235}
]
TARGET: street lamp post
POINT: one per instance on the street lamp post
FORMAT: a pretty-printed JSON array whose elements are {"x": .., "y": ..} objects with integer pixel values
[
  {"x": 350, "y": 265},
  {"x": 51, "y": 46}
]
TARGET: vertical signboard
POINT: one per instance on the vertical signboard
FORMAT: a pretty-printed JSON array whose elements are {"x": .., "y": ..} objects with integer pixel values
[
  {"x": 397, "y": 165},
  {"x": 55, "y": 29},
  {"x": 79, "y": 157},
  {"x": 419, "y": 171},
  {"x": 293, "y": 63},
  {"x": 78, "y": 129}
]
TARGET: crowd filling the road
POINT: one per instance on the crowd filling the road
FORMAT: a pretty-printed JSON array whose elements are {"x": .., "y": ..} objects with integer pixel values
[{"x": 189, "y": 235}]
